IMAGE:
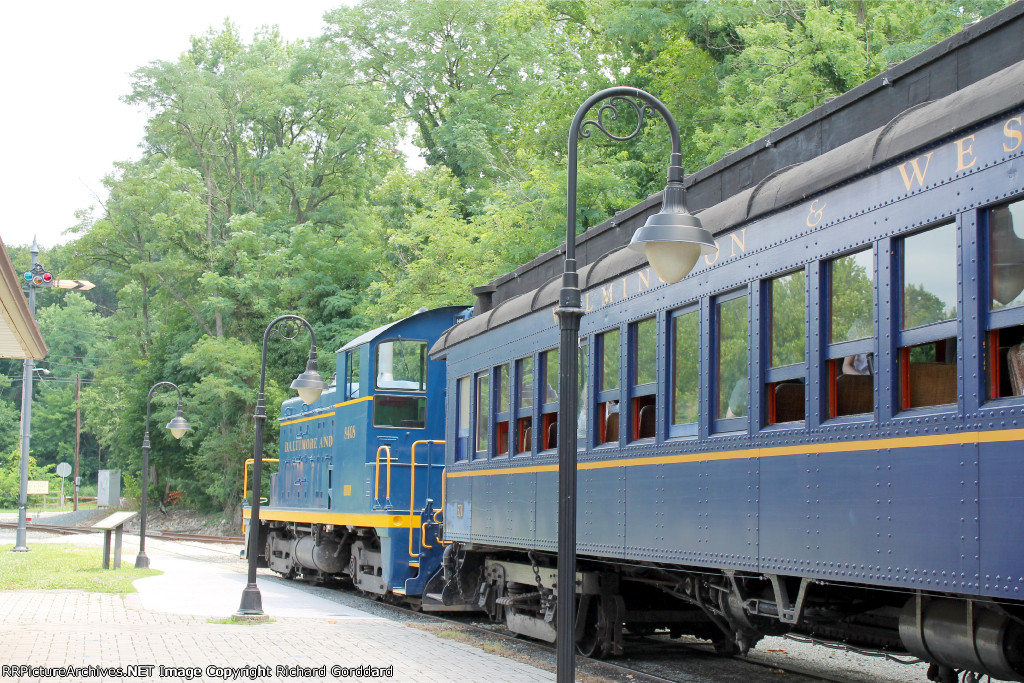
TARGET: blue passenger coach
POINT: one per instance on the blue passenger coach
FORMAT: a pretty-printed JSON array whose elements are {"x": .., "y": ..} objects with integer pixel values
[
  {"x": 821, "y": 429},
  {"x": 361, "y": 469}
]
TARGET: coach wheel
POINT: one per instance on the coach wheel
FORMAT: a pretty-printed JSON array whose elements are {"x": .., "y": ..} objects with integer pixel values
[{"x": 591, "y": 642}]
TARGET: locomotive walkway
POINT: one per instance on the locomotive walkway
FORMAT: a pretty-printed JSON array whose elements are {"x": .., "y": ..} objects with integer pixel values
[{"x": 168, "y": 624}]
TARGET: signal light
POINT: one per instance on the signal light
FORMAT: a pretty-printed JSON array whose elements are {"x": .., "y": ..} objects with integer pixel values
[
  {"x": 47, "y": 277},
  {"x": 28, "y": 276}
]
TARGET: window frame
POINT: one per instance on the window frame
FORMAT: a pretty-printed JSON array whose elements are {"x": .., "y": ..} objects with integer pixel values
[
  {"x": 775, "y": 375},
  {"x": 837, "y": 352},
  {"x": 682, "y": 429},
  {"x": 741, "y": 422},
  {"x": 639, "y": 393},
  {"x": 604, "y": 396},
  {"x": 520, "y": 412},
  {"x": 934, "y": 332},
  {"x": 423, "y": 357}
]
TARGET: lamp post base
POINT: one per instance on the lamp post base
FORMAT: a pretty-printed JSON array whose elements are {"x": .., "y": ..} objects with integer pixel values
[
  {"x": 142, "y": 560},
  {"x": 252, "y": 602}
]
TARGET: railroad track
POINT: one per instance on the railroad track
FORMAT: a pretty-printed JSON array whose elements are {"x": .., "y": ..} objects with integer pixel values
[
  {"x": 154, "y": 533},
  {"x": 652, "y": 660}
]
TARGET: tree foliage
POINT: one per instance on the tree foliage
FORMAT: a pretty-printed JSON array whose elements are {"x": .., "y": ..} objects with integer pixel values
[{"x": 272, "y": 181}]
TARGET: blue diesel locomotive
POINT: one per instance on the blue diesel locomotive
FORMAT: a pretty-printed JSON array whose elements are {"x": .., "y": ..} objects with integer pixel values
[
  {"x": 819, "y": 430},
  {"x": 360, "y": 470}
]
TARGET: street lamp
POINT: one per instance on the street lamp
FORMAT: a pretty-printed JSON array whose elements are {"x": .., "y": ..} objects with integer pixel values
[
  {"x": 673, "y": 239},
  {"x": 309, "y": 385},
  {"x": 177, "y": 426}
]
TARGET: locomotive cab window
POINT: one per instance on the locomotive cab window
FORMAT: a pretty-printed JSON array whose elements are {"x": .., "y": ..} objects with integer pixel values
[
  {"x": 607, "y": 378},
  {"x": 402, "y": 365},
  {"x": 524, "y": 405},
  {"x": 685, "y": 372},
  {"x": 548, "y": 436},
  {"x": 644, "y": 371},
  {"x": 1005, "y": 339},
  {"x": 784, "y": 390},
  {"x": 352, "y": 372},
  {"x": 851, "y": 357},
  {"x": 927, "y": 359},
  {"x": 732, "y": 362},
  {"x": 400, "y": 411}
]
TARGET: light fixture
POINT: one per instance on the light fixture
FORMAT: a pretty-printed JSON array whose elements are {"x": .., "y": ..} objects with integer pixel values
[
  {"x": 309, "y": 384},
  {"x": 178, "y": 425},
  {"x": 673, "y": 239}
]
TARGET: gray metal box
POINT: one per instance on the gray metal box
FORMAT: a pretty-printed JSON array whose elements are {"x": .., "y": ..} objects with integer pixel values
[{"x": 108, "y": 488}]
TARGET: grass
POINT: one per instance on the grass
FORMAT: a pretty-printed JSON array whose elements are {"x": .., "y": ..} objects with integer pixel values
[
  {"x": 240, "y": 622},
  {"x": 52, "y": 566}
]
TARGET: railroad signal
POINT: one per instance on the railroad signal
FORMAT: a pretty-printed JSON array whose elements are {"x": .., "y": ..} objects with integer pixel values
[{"x": 39, "y": 277}]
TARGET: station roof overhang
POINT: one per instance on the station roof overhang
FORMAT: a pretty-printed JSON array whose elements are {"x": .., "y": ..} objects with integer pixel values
[{"x": 19, "y": 334}]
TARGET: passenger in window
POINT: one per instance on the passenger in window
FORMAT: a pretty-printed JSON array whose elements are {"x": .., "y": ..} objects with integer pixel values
[
  {"x": 858, "y": 364},
  {"x": 738, "y": 400}
]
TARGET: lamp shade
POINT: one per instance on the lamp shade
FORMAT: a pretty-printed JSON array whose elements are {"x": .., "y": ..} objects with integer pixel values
[
  {"x": 673, "y": 239},
  {"x": 178, "y": 426},
  {"x": 309, "y": 384}
]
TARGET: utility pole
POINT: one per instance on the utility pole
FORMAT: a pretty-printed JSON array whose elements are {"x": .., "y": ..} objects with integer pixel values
[{"x": 26, "y": 416}]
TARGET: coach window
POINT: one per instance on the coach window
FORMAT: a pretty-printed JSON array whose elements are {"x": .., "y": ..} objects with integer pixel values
[
  {"x": 582, "y": 395},
  {"x": 607, "y": 373},
  {"x": 549, "y": 399},
  {"x": 927, "y": 355},
  {"x": 732, "y": 361},
  {"x": 784, "y": 391},
  {"x": 685, "y": 372},
  {"x": 1006, "y": 291},
  {"x": 851, "y": 358},
  {"x": 462, "y": 410},
  {"x": 502, "y": 392},
  {"x": 483, "y": 414},
  {"x": 645, "y": 375},
  {"x": 524, "y": 405}
]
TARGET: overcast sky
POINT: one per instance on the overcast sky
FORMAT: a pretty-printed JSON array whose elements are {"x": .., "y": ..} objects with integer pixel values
[{"x": 68, "y": 65}]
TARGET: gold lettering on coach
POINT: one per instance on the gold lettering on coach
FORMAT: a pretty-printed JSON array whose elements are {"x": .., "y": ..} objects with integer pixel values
[
  {"x": 918, "y": 173},
  {"x": 814, "y": 214},
  {"x": 963, "y": 151},
  {"x": 1013, "y": 134}
]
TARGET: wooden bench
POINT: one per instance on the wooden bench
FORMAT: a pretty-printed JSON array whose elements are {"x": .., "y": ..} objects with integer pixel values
[{"x": 113, "y": 524}]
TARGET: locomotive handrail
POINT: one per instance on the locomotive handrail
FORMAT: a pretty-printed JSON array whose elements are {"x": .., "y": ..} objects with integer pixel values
[
  {"x": 376, "y": 479},
  {"x": 412, "y": 487},
  {"x": 245, "y": 475},
  {"x": 423, "y": 536}
]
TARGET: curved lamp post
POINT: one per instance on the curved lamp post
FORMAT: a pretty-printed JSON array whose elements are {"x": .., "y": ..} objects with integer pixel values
[
  {"x": 309, "y": 385},
  {"x": 673, "y": 240},
  {"x": 178, "y": 426}
]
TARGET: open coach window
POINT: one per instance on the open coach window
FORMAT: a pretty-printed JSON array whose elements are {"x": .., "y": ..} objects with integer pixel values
[
  {"x": 851, "y": 357},
  {"x": 927, "y": 355},
  {"x": 645, "y": 376},
  {"x": 1005, "y": 357}
]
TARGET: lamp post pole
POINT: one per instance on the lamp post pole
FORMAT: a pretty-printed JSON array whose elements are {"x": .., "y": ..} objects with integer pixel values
[
  {"x": 309, "y": 385},
  {"x": 20, "y": 540},
  {"x": 178, "y": 427},
  {"x": 673, "y": 240}
]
